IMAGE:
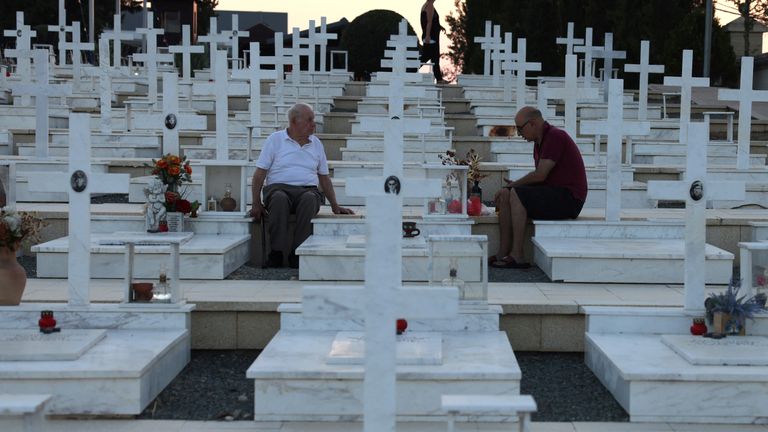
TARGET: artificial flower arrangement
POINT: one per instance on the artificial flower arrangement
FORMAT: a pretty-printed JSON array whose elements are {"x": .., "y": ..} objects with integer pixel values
[
  {"x": 174, "y": 171},
  {"x": 737, "y": 308},
  {"x": 472, "y": 160},
  {"x": 18, "y": 228}
]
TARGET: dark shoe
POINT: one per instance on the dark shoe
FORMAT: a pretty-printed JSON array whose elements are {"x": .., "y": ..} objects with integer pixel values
[
  {"x": 492, "y": 259},
  {"x": 509, "y": 262},
  {"x": 293, "y": 261},
  {"x": 275, "y": 259}
]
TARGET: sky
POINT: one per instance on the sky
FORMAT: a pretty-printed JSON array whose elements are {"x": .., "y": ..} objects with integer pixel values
[{"x": 301, "y": 11}]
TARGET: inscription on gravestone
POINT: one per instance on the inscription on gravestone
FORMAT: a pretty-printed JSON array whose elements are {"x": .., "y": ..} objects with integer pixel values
[{"x": 731, "y": 351}]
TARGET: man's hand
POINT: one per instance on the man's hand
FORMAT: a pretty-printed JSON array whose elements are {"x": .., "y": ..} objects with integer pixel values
[
  {"x": 341, "y": 210},
  {"x": 257, "y": 210},
  {"x": 508, "y": 181}
]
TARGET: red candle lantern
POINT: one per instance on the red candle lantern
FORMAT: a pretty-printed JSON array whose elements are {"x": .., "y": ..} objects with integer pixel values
[
  {"x": 698, "y": 327},
  {"x": 402, "y": 324},
  {"x": 47, "y": 323}
]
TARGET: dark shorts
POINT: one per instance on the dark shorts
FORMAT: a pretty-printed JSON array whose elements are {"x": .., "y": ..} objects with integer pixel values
[{"x": 549, "y": 202}]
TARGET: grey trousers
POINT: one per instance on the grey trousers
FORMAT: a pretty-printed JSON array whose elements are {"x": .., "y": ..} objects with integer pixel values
[{"x": 281, "y": 200}]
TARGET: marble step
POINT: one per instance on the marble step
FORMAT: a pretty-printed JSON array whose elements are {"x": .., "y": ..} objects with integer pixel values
[
  {"x": 519, "y": 145},
  {"x": 409, "y": 155},
  {"x": 292, "y": 369},
  {"x": 430, "y": 143},
  {"x": 616, "y": 260},
  {"x": 658, "y": 384},
  {"x": 675, "y": 149},
  {"x": 755, "y": 160},
  {"x": 600, "y": 112},
  {"x": 332, "y": 258},
  {"x": 149, "y": 148},
  {"x": 337, "y": 227},
  {"x": 595, "y": 174},
  {"x": 424, "y": 107},
  {"x": 527, "y": 158},
  {"x": 205, "y": 256},
  {"x": 135, "y": 364}
]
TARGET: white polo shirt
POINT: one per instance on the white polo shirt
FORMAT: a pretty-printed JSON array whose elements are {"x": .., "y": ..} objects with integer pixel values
[{"x": 287, "y": 161}]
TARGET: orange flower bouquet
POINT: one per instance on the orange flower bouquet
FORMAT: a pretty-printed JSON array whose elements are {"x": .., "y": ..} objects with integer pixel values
[{"x": 172, "y": 170}]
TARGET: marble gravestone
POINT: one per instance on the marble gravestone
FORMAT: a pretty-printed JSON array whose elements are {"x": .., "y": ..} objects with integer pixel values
[
  {"x": 608, "y": 54},
  {"x": 254, "y": 74},
  {"x": 186, "y": 49},
  {"x": 569, "y": 40},
  {"x": 615, "y": 127},
  {"x": 570, "y": 93},
  {"x": 62, "y": 29},
  {"x": 644, "y": 69},
  {"x": 520, "y": 67},
  {"x": 588, "y": 50},
  {"x": 152, "y": 58},
  {"x": 23, "y": 51},
  {"x": 41, "y": 89},
  {"x": 488, "y": 41},
  {"x": 80, "y": 182},
  {"x": 214, "y": 39},
  {"x": 745, "y": 95},
  {"x": 77, "y": 48},
  {"x": 117, "y": 35},
  {"x": 686, "y": 82},
  {"x": 32, "y": 345},
  {"x": 8, "y": 184}
]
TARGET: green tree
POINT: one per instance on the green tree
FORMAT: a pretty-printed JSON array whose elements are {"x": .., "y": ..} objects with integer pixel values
[
  {"x": 670, "y": 26},
  {"x": 365, "y": 40}
]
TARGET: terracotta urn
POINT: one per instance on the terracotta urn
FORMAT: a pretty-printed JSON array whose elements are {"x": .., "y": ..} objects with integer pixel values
[
  {"x": 142, "y": 291},
  {"x": 228, "y": 204},
  {"x": 13, "y": 277}
]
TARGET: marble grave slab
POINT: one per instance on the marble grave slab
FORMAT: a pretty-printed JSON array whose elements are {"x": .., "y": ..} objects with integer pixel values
[
  {"x": 360, "y": 240},
  {"x": 32, "y": 345},
  {"x": 413, "y": 348},
  {"x": 729, "y": 351}
]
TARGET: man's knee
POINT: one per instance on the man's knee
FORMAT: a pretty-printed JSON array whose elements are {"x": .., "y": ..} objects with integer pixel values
[
  {"x": 308, "y": 201},
  {"x": 502, "y": 196},
  {"x": 278, "y": 199}
]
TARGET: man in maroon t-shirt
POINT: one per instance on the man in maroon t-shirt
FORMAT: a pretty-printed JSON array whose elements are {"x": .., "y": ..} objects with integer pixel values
[{"x": 555, "y": 189}]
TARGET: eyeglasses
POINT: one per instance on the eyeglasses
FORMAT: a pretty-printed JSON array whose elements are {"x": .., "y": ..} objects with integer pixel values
[{"x": 520, "y": 128}]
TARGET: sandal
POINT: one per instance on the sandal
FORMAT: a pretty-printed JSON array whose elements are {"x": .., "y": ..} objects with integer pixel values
[
  {"x": 509, "y": 262},
  {"x": 492, "y": 259}
]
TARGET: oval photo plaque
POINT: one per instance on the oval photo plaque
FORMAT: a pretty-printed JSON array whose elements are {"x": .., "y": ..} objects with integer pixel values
[{"x": 78, "y": 181}]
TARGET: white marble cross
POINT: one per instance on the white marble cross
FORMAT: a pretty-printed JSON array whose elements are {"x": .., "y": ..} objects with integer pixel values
[
  {"x": 520, "y": 67},
  {"x": 170, "y": 119},
  {"x": 214, "y": 39},
  {"x": 570, "y": 93},
  {"x": 569, "y": 41},
  {"x": 320, "y": 39},
  {"x": 695, "y": 210},
  {"x": 644, "y": 69},
  {"x": 62, "y": 28},
  {"x": 221, "y": 89},
  {"x": 496, "y": 47},
  {"x": 399, "y": 56},
  {"x": 151, "y": 58},
  {"x": 41, "y": 90},
  {"x": 234, "y": 35},
  {"x": 23, "y": 51},
  {"x": 506, "y": 56},
  {"x": 80, "y": 182},
  {"x": 105, "y": 85},
  {"x": 254, "y": 74},
  {"x": 587, "y": 49},
  {"x": 299, "y": 48},
  {"x": 745, "y": 95},
  {"x": 117, "y": 35},
  {"x": 186, "y": 49},
  {"x": 279, "y": 60},
  {"x": 8, "y": 184},
  {"x": 77, "y": 48},
  {"x": 608, "y": 54},
  {"x": 615, "y": 127},
  {"x": 486, "y": 42},
  {"x": 686, "y": 82}
]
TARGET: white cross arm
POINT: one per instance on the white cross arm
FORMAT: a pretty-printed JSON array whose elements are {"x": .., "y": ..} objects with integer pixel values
[
  {"x": 692, "y": 81},
  {"x": 602, "y": 127},
  {"x": 638, "y": 68},
  {"x": 180, "y": 49},
  {"x": 406, "y": 77},
  {"x": 37, "y": 89},
  {"x": 399, "y": 40},
  {"x": 736, "y": 95},
  {"x": 392, "y": 64},
  {"x": 713, "y": 190},
  {"x": 246, "y": 74},
  {"x": 349, "y": 302},
  {"x": 410, "y": 188},
  {"x": 414, "y": 126},
  {"x": 234, "y": 88},
  {"x": 184, "y": 122},
  {"x": 408, "y": 92},
  {"x": 159, "y": 58},
  {"x": 97, "y": 183}
]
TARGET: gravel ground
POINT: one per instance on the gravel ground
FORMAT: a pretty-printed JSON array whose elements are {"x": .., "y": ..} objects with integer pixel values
[{"x": 564, "y": 389}]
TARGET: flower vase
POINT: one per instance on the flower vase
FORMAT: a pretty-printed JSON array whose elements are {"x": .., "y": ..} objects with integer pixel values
[
  {"x": 175, "y": 221},
  {"x": 13, "y": 276},
  {"x": 724, "y": 323}
]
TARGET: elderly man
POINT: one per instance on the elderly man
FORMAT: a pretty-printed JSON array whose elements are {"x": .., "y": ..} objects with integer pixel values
[
  {"x": 555, "y": 189},
  {"x": 291, "y": 164}
]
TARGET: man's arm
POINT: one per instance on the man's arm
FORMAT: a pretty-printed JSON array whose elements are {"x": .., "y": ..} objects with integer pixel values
[
  {"x": 537, "y": 176},
  {"x": 428, "y": 31},
  {"x": 257, "y": 208},
  {"x": 327, "y": 186}
]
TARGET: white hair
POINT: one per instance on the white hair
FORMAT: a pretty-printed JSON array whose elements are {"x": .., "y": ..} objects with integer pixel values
[{"x": 296, "y": 111}]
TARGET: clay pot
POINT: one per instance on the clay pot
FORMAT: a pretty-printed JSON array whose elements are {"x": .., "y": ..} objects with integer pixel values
[
  {"x": 13, "y": 277},
  {"x": 228, "y": 204},
  {"x": 142, "y": 291}
]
